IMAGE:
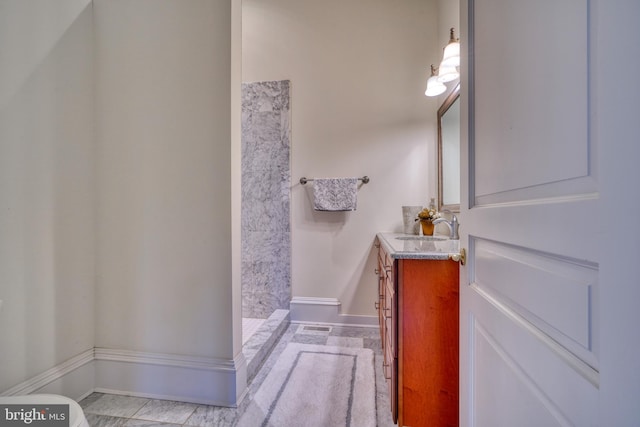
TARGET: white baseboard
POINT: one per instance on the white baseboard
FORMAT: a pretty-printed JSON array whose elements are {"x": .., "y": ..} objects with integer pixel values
[
  {"x": 172, "y": 377},
  {"x": 167, "y": 376},
  {"x": 326, "y": 310},
  {"x": 159, "y": 376},
  {"x": 72, "y": 378}
]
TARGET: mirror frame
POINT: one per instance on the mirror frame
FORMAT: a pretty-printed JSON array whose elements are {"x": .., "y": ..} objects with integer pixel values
[{"x": 448, "y": 102}]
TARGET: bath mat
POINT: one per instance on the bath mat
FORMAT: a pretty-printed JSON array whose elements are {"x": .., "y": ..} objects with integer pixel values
[{"x": 316, "y": 386}]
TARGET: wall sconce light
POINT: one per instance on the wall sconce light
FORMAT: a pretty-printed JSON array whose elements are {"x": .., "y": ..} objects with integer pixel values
[
  {"x": 451, "y": 56},
  {"x": 434, "y": 86},
  {"x": 447, "y": 71}
]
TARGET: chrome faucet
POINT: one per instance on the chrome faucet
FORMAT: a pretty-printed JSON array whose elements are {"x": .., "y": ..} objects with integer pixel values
[{"x": 453, "y": 225}]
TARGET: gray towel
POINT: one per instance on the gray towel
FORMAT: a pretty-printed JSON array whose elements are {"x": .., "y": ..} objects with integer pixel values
[{"x": 335, "y": 194}]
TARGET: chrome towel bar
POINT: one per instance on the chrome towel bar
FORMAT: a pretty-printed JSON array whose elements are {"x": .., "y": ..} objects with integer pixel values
[{"x": 304, "y": 180}]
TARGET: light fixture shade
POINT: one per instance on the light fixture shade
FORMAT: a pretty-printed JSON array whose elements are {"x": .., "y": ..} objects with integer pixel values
[
  {"x": 447, "y": 73},
  {"x": 434, "y": 87},
  {"x": 451, "y": 56}
]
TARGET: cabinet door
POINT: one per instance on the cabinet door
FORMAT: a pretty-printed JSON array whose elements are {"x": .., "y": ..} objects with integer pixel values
[
  {"x": 391, "y": 375},
  {"x": 391, "y": 327},
  {"x": 381, "y": 296},
  {"x": 388, "y": 335},
  {"x": 387, "y": 316},
  {"x": 428, "y": 342}
]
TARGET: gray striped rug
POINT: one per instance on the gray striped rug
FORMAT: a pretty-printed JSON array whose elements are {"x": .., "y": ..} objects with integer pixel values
[{"x": 316, "y": 385}]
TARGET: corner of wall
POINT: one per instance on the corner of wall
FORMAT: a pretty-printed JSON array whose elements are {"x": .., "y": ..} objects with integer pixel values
[{"x": 326, "y": 310}]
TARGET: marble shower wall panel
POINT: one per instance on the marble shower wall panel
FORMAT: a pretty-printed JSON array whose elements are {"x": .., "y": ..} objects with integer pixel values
[{"x": 266, "y": 181}]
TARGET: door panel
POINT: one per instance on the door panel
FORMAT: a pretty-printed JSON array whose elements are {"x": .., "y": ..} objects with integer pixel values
[
  {"x": 530, "y": 66},
  {"x": 510, "y": 393},
  {"x": 555, "y": 294},
  {"x": 529, "y": 292}
]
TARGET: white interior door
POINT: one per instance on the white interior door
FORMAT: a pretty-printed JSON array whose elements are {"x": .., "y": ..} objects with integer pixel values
[{"x": 540, "y": 291}]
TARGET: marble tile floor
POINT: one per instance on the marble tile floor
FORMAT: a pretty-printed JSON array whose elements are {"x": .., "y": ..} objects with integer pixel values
[{"x": 116, "y": 410}]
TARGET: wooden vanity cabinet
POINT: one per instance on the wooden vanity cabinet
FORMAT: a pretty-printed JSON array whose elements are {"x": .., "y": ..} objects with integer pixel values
[{"x": 418, "y": 312}]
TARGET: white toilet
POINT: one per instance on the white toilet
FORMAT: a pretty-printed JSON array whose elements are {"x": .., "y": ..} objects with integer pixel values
[{"x": 76, "y": 415}]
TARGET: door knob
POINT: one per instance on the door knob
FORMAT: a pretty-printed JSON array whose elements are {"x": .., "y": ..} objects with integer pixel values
[{"x": 461, "y": 257}]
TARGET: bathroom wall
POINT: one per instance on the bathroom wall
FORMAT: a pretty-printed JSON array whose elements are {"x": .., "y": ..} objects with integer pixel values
[
  {"x": 47, "y": 188},
  {"x": 266, "y": 177},
  {"x": 358, "y": 72},
  {"x": 164, "y": 142}
]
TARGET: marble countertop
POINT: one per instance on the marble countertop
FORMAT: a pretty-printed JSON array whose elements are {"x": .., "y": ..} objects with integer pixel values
[{"x": 408, "y": 246}]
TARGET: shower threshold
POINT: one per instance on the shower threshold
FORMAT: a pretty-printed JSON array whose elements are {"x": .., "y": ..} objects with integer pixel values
[
  {"x": 259, "y": 345},
  {"x": 249, "y": 327}
]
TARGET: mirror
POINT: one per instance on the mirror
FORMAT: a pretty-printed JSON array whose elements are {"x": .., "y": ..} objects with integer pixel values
[{"x": 449, "y": 152}]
